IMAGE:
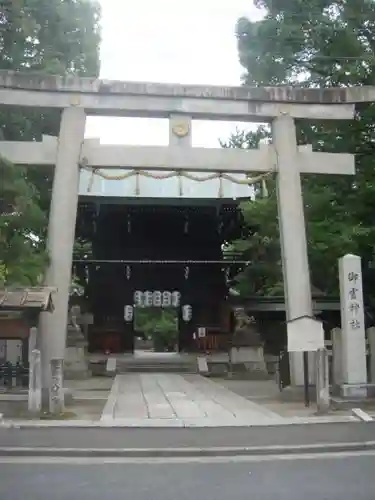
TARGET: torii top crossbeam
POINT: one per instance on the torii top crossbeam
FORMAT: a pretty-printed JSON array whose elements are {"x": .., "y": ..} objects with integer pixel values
[{"x": 156, "y": 100}]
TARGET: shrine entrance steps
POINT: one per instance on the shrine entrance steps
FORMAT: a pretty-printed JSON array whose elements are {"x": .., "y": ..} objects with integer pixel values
[{"x": 157, "y": 362}]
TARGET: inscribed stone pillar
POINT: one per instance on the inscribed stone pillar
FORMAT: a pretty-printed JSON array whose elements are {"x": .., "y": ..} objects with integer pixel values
[
  {"x": 296, "y": 273},
  {"x": 56, "y": 393},
  {"x": 352, "y": 327},
  {"x": 61, "y": 231},
  {"x": 371, "y": 341}
]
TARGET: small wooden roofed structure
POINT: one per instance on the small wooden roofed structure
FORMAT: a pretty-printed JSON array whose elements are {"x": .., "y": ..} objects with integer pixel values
[
  {"x": 34, "y": 299},
  {"x": 274, "y": 304}
]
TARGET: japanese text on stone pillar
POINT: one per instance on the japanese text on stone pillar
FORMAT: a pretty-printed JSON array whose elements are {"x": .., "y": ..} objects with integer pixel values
[{"x": 354, "y": 301}]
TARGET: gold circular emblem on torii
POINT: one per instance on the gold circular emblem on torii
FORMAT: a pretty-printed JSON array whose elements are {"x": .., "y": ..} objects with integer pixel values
[
  {"x": 181, "y": 129},
  {"x": 75, "y": 100}
]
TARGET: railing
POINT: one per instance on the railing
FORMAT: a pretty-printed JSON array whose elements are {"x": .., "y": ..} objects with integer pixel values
[
  {"x": 14, "y": 375},
  {"x": 212, "y": 342},
  {"x": 283, "y": 368},
  {"x": 329, "y": 347}
]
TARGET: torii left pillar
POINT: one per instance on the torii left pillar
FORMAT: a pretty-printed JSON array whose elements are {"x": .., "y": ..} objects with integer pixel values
[{"x": 61, "y": 233}]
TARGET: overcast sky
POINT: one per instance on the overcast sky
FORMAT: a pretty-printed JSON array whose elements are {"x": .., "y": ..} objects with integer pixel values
[{"x": 191, "y": 42}]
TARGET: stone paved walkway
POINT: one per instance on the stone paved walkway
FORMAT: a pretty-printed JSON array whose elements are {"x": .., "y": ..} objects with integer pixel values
[{"x": 173, "y": 400}]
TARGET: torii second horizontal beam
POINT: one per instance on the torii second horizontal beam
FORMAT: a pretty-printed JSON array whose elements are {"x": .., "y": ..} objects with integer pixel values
[{"x": 168, "y": 158}]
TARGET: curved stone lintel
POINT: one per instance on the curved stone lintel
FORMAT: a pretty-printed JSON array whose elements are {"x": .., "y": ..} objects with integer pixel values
[
  {"x": 159, "y": 100},
  {"x": 70, "y": 83}
]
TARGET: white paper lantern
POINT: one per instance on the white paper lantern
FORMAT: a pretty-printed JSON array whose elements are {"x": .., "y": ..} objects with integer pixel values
[
  {"x": 128, "y": 313},
  {"x": 138, "y": 298},
  {"x": 167, "y": 299},
  {"x": 157, "y": 298},
  {"x": 148, "y": 299},
  {"x": 176, "y": 297},
  {"x": 201, "y": 332},
  {"x": 187, "y": 312}
]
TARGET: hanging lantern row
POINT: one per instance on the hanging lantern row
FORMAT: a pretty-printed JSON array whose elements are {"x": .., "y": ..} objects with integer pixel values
[
  {"x": 157, "y": 299},
  {"x": 187, "y": 313}
]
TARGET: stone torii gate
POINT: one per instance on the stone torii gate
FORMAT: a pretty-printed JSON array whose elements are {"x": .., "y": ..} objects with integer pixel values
[{"x": 78, "y": 97}]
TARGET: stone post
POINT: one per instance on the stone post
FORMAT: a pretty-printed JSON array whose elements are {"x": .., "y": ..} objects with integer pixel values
[
  {"x": 35, "y": 382},
  {"x": 56, "y": 393},
  {"x": 371, "y": 342},
  {"x": 354, "y": 377},
  {"x": 322, "y": 381},
  {"x": 336, "y": 357},
  {"x": 61, "y": 231},
  {"x": 296, "y": 273}
]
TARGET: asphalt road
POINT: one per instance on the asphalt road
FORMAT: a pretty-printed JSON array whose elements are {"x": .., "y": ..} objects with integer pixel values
[
  {"x": 320, "y": 478},
  {"x": 188, "y": 437}
]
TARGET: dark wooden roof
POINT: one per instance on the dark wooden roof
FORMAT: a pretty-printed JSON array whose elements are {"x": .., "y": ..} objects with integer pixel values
[{"x": 23, "y": 299}]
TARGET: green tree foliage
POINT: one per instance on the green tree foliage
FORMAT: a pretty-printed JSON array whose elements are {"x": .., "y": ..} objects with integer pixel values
[
  {"x": 314, "y": 43},
  {"x": 40, "y": 36},
  {"x": 50, "y": 36},
  {"x": 22, "y": 252},
  {"x": 159, "y": 324}
]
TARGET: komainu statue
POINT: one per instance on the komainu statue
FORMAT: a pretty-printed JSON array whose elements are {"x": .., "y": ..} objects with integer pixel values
[
  {"x": 74, "y": 330},
  {"x": 245, "y": 332},
  {"x": 247, "y": 347},
  {"x": 76, "y": 360}
]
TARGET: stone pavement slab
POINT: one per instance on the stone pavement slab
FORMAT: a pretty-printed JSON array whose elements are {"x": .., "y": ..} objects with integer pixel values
[
  {"x": 90, "y": 384},
  {"x": 174, "y": 400},
  {"x": 130, "y": 401}
]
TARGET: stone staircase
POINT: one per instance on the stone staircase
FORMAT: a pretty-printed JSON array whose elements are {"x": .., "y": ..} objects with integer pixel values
[{"x": 152, "y": 362}]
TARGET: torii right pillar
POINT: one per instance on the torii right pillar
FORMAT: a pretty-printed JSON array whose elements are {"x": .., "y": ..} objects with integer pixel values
[{"x": 297, "y": 288}]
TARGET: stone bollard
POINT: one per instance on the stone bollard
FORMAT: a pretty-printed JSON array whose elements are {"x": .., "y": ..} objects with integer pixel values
[
  {"x": 322, "y": 381},
  {"x": 35, "y": 382},
  {"x": 56, "y": 392}
]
